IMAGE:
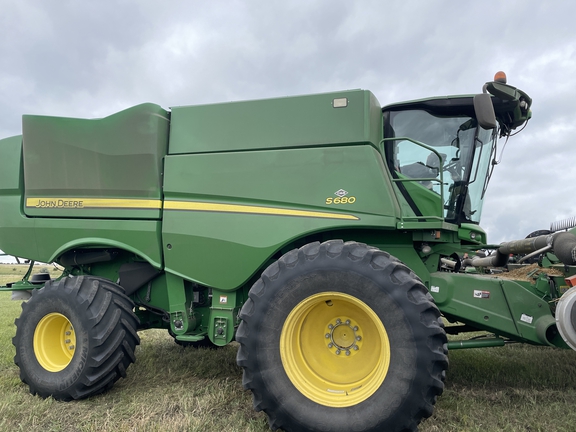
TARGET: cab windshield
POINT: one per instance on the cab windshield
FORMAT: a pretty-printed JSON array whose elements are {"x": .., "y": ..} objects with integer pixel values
[{"x": 448, "y": 156}]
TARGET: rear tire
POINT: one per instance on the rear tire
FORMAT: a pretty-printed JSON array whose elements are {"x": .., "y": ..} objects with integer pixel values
[
  {"x": 75, "y": 337},
  {"x": 339, "y": 337}
]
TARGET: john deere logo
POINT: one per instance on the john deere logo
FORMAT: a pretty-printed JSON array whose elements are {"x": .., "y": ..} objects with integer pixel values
[{"x": 341, "y": 193}]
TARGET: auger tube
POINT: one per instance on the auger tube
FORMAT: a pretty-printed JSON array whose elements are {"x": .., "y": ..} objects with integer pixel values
[
  {"x": 496, "y": 260},
  {"x": 562, "y": 244}
]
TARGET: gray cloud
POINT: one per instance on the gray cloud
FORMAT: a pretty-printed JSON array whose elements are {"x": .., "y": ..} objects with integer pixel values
[{"x": 90, "y": 59}]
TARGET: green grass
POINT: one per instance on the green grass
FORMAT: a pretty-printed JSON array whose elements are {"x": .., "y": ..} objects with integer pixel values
[
  {"x": 515, "y": 388},
  {"x": 15, "y": 272},
  {"x": 170, "y": 388}
]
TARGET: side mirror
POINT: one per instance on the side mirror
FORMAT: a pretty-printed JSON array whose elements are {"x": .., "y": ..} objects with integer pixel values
[{"x": 485, "y": 111}]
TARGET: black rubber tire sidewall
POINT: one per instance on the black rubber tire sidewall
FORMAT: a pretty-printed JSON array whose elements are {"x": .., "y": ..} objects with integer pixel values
[
  {"x": 400, "y": 301},
  {"x": 46, "y": 383},
  {"x": 105, "y": 329}
]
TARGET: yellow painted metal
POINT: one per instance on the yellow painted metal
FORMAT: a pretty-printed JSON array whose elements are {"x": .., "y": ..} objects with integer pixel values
[
  {"x": 335, "y": 349},
  {"x": 250, "y": 209},
  {"x": 54, "y": 342}
]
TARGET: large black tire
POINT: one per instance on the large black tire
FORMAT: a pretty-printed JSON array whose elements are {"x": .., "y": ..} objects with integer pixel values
[
  {"x": 342, "y": 337},
  {"x": 75, "y": 338}
]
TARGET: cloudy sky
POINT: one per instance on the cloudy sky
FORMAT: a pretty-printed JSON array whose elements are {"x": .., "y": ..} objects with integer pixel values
[{"x": 93, "y": 58}]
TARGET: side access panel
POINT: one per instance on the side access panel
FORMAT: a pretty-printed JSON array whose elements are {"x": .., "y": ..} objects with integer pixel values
[
  {"x": 101, "y": 168},
  {"x": 226, "y": 214},
  {"x": 73, "y": 183},
  {"x": 352, "y": 116}
]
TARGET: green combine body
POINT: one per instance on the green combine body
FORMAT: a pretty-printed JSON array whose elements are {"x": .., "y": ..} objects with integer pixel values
[{"x": 324, "y": 233}]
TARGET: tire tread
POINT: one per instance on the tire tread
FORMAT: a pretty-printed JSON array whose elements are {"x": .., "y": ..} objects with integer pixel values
[
  {"x": 107, "y": 316},
  {"x": 429, "y": 324}
]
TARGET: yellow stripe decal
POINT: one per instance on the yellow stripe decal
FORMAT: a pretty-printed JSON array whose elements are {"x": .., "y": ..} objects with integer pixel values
[
  {"x": 233, "y": 208},
  {"x": 79, "y": 203},
  {"x": 117, "y": 203}
]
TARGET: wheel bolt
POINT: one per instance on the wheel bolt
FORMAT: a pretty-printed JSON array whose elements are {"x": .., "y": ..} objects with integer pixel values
[
  {"x": 347, "y": 322},
  {"x": 338, "y": 352},
  {"x": 338, "y": 321},
  {"x": 358, "y": 338},
  {"x": 327, "y": 335},
  {"x": 355, "y": 347},
  {"x": 67, "y": 341},
  {"x": 355, "y": 328},
  {"x": 330, "y": 326},
  {"x": 71, "y": 347},
  {"x": 330, "y": 345},
  {"x": 68, "y": 333},
  {"x": 347, "y": 352}
]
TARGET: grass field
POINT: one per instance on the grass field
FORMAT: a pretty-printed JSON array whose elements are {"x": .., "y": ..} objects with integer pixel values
[
  {"x": 15, "y": 272},
  {"x": 170, "y": 388}
]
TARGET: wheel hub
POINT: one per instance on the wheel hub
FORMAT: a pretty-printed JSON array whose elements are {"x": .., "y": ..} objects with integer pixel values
[
  {"x": 54, "y": 342},
  {"x": 343, "y": 336},
  {"x": 321, "y": 346}
]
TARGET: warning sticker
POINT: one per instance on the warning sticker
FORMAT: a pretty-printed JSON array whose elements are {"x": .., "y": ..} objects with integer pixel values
[
  {"x": 481, "y": 294},
  {"x": 526, "y": 318}
]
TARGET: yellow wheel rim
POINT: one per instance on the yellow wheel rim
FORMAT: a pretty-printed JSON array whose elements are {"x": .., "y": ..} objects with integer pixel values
[
  {"x": 54, "y": 342},
  {"x": 335, "y": 349}
]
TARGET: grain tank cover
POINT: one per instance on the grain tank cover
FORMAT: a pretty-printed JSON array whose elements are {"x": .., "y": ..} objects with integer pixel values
[
  {"x": 346, "y": 117},
  {"x": 109, "y": 167}
]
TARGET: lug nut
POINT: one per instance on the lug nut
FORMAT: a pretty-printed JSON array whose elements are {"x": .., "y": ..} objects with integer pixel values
[
  {"x": 338, "y": 321},
  {"x": 347, "y": 352},
  {"x": 358, "y": 338},
  {"x": 347, "y": 322},
  {"x": 71, "y": 347},
  {"x": 355, "y": 328},
  {"x": 338, "y": 352},
  {"x": 327, "y": 335},
  {"x": 330, "y": 345}
]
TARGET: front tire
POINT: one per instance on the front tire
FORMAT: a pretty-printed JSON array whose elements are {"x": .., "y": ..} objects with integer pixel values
[
  {"x": 342, "y": 336},
  {"x": 75, "y": 337}
]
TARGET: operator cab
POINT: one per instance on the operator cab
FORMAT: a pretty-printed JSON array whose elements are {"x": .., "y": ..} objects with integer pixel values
[
  {"x": 441, "y": 151},
  {"x": 437, "y": 144}
]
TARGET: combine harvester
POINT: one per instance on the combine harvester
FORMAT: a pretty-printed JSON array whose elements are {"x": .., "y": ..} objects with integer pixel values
[{"x": 313, "y": 230}]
